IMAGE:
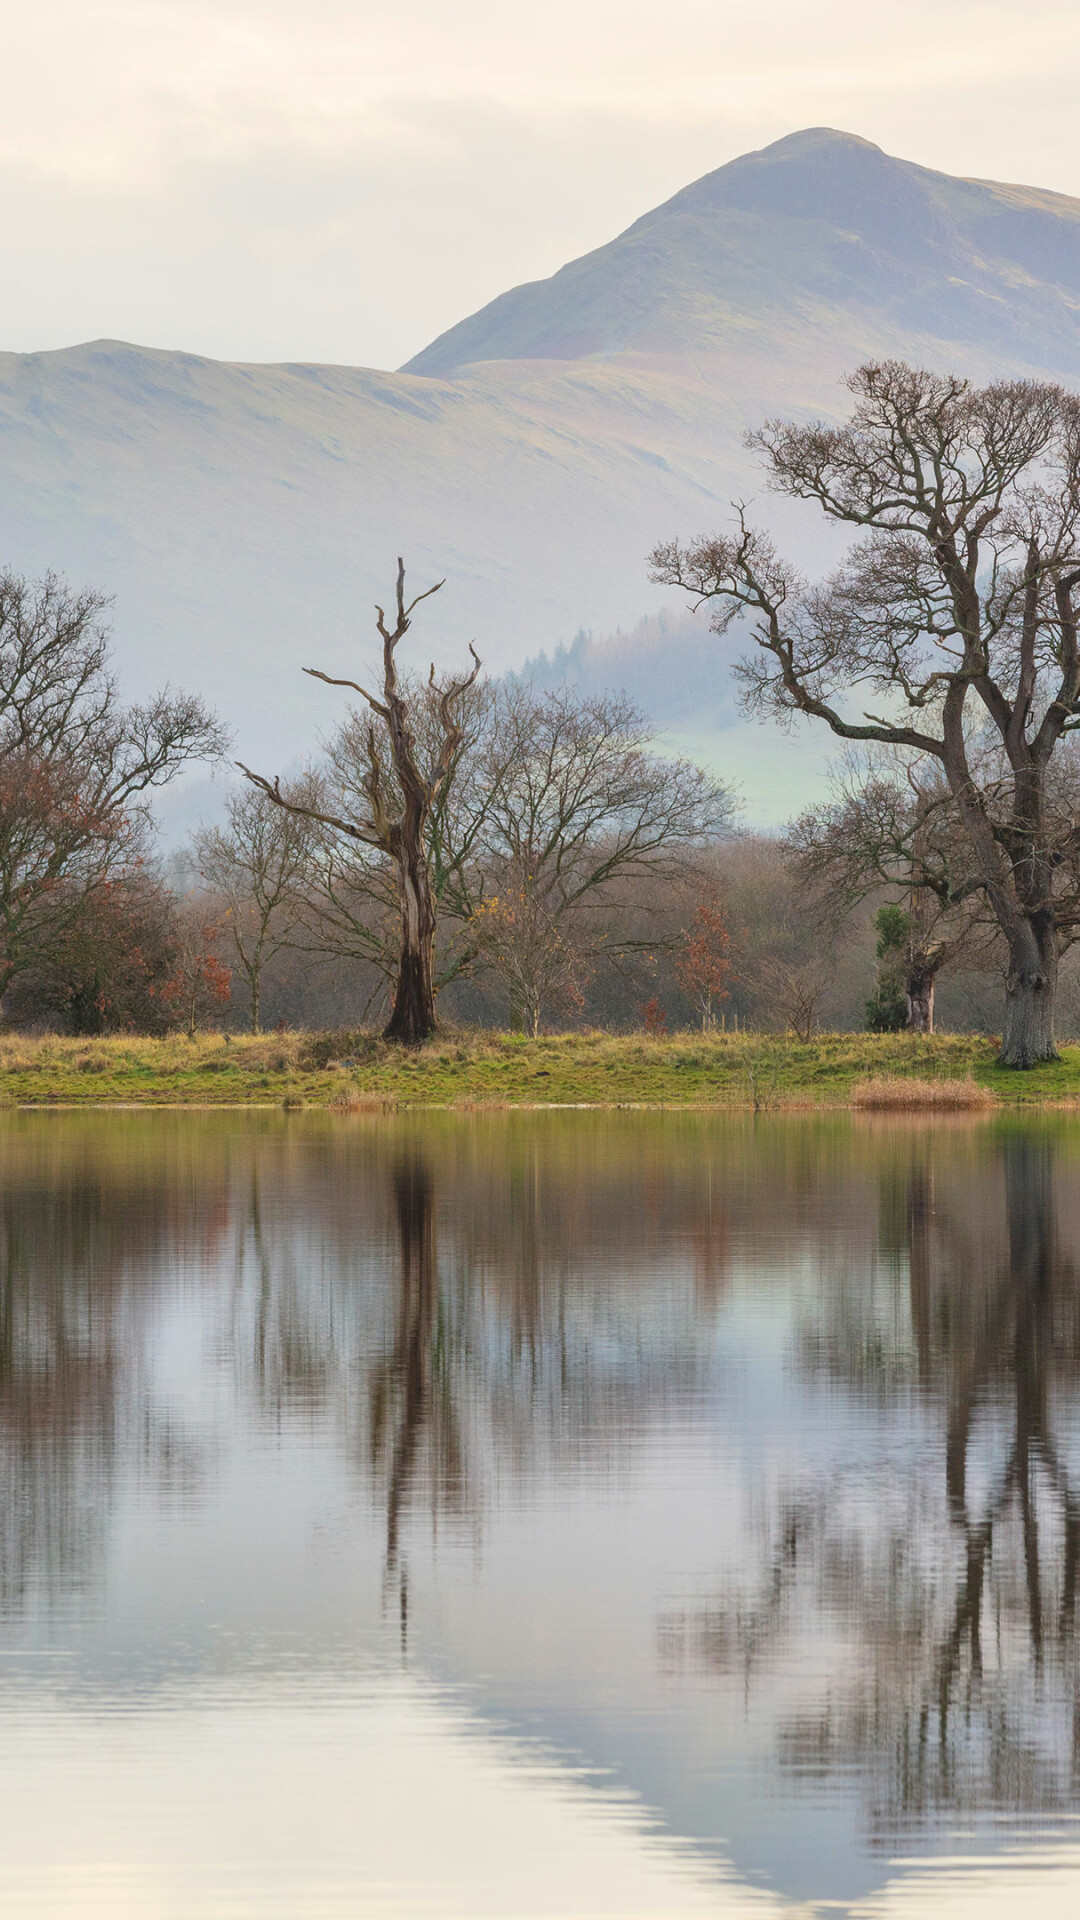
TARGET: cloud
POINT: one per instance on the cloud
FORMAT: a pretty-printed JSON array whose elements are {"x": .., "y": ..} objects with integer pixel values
[{"x": 341, "y": 181}]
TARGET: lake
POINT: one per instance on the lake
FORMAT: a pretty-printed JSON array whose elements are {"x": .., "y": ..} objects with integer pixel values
[{"x": 549, "y": 1515}]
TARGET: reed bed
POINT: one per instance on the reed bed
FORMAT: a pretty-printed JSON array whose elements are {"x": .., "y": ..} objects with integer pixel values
[{"x": 886, "y": 1093}]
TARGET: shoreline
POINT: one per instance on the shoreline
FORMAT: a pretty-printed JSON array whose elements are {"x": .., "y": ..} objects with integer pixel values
[{"x": 483, "y": 1072}]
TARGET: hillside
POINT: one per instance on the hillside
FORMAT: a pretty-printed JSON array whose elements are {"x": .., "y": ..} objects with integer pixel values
[{"x": 245, "y": 517}]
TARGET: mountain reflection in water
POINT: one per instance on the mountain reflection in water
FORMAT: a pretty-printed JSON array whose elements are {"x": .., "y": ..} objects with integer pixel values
[{"x": 715, "y": 1482}]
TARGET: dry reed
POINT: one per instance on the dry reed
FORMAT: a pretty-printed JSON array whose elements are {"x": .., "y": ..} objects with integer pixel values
[{"x": 886, "y": 1093}]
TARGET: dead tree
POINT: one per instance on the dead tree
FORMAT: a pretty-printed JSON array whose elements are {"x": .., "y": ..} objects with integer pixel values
[
  {"x": 349, "y": 904},
  {"x": 399, "y": 798}
]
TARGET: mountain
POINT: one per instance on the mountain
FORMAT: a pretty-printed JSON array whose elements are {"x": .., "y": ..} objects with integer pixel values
[
  {"x": 819, "y": 231},
  {"x": 246, "y": 517}
]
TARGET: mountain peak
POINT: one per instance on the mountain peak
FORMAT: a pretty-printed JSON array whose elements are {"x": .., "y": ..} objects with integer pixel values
[
  {"x": 809, "y": 140},
  {"x": 820, "y": 222}
]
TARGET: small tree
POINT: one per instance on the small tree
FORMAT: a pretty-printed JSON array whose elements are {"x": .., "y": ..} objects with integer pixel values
[
  {"x": 525, "y": 944},
  {"x": 654, "y": 1017},
  {"x": 257, "y": 863},
  {"x": 200, "y": 983},
  {"x": 702, "y": 964},
  {"x": 888, "y": 1008},
  {"x": 395, "y": 811},
  {"x": 792, "y": 992},
  {"x": 955, "y": 612}
]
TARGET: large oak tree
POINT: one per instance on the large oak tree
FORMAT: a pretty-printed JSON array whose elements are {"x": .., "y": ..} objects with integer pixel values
[{"x": 954, "y": 613}]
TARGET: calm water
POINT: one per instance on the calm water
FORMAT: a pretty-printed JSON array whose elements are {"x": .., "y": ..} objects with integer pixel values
[{"x": 556, "y": 1515}]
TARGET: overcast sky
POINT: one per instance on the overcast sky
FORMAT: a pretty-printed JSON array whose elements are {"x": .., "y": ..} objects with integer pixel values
[{"x": 338, "y": 180}]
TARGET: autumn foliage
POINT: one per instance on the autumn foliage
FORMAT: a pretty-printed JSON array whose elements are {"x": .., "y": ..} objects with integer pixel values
[
  {"x": 200, "y": 983},
  {"x": 702, "y": 964}
]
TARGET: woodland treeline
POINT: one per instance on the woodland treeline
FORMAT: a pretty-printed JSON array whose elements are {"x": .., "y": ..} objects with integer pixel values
[{"x": 515, "y": 853}]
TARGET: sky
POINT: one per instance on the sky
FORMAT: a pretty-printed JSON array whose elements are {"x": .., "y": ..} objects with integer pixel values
[{"x": 340, "y": 181}]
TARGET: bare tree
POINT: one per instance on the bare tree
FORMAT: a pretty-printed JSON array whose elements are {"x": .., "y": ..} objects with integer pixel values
[
  {"x": 955, "y": 610},
  {"x": 551, "y": 811},
  {"x": 394, "y": 811},
  {"x": 75, "y": 765},
  {"x": 580, "y": 808},
  {"x": 891, "y": 827},
  {"x": 534, "y": 956},
  {"x": 257, "y": 865},
  {"x": 792, "y": 992}
]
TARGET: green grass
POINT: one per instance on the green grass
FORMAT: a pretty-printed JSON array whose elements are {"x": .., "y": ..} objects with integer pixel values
[{"x": 490, "y": 1070}]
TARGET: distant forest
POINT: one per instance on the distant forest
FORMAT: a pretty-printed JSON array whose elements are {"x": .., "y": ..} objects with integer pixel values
[{"x": 670, "y": 665}]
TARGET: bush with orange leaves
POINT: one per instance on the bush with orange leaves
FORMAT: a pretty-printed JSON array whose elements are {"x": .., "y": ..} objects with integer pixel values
[
  {"x": 702, "y": 966},
  {"x": 200, "y": 983}
]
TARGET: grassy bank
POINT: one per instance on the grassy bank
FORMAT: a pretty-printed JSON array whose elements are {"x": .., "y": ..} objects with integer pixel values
[{"x": 766, "y": 1071}]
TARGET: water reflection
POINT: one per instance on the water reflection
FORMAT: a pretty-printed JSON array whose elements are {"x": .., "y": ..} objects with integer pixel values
[
  {"x": 737, "y": 1462},
  {"x": 946, "y": 1574},
  {"x": 81, "y": 1241},
  {"x": 415, "y": 1429}
]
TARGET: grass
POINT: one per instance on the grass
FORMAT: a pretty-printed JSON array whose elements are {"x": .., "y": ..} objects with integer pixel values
[{"x": 354, "y": 1072}]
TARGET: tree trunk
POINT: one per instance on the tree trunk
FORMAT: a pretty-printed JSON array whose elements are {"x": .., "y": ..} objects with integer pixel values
[
  {"x": 919, "y": 994},
  {"x": 413, "y": 1018},
  {"x": 1030, "y": 985},
  {"x": 256, "y": 1009}
]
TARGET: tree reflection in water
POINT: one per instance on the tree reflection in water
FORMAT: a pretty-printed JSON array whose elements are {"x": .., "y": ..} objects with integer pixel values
[
  {"x": 60, "y": 1362},
  {"x": 415, "y": 1430},
  {"x": 468, "y": 1308},
  {"x": 493, "y": 1369},
  {"x": 85, "y": 1239},
  {"x": 462, "y": 1316},
  {"x": 920, "y": 1607}
]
